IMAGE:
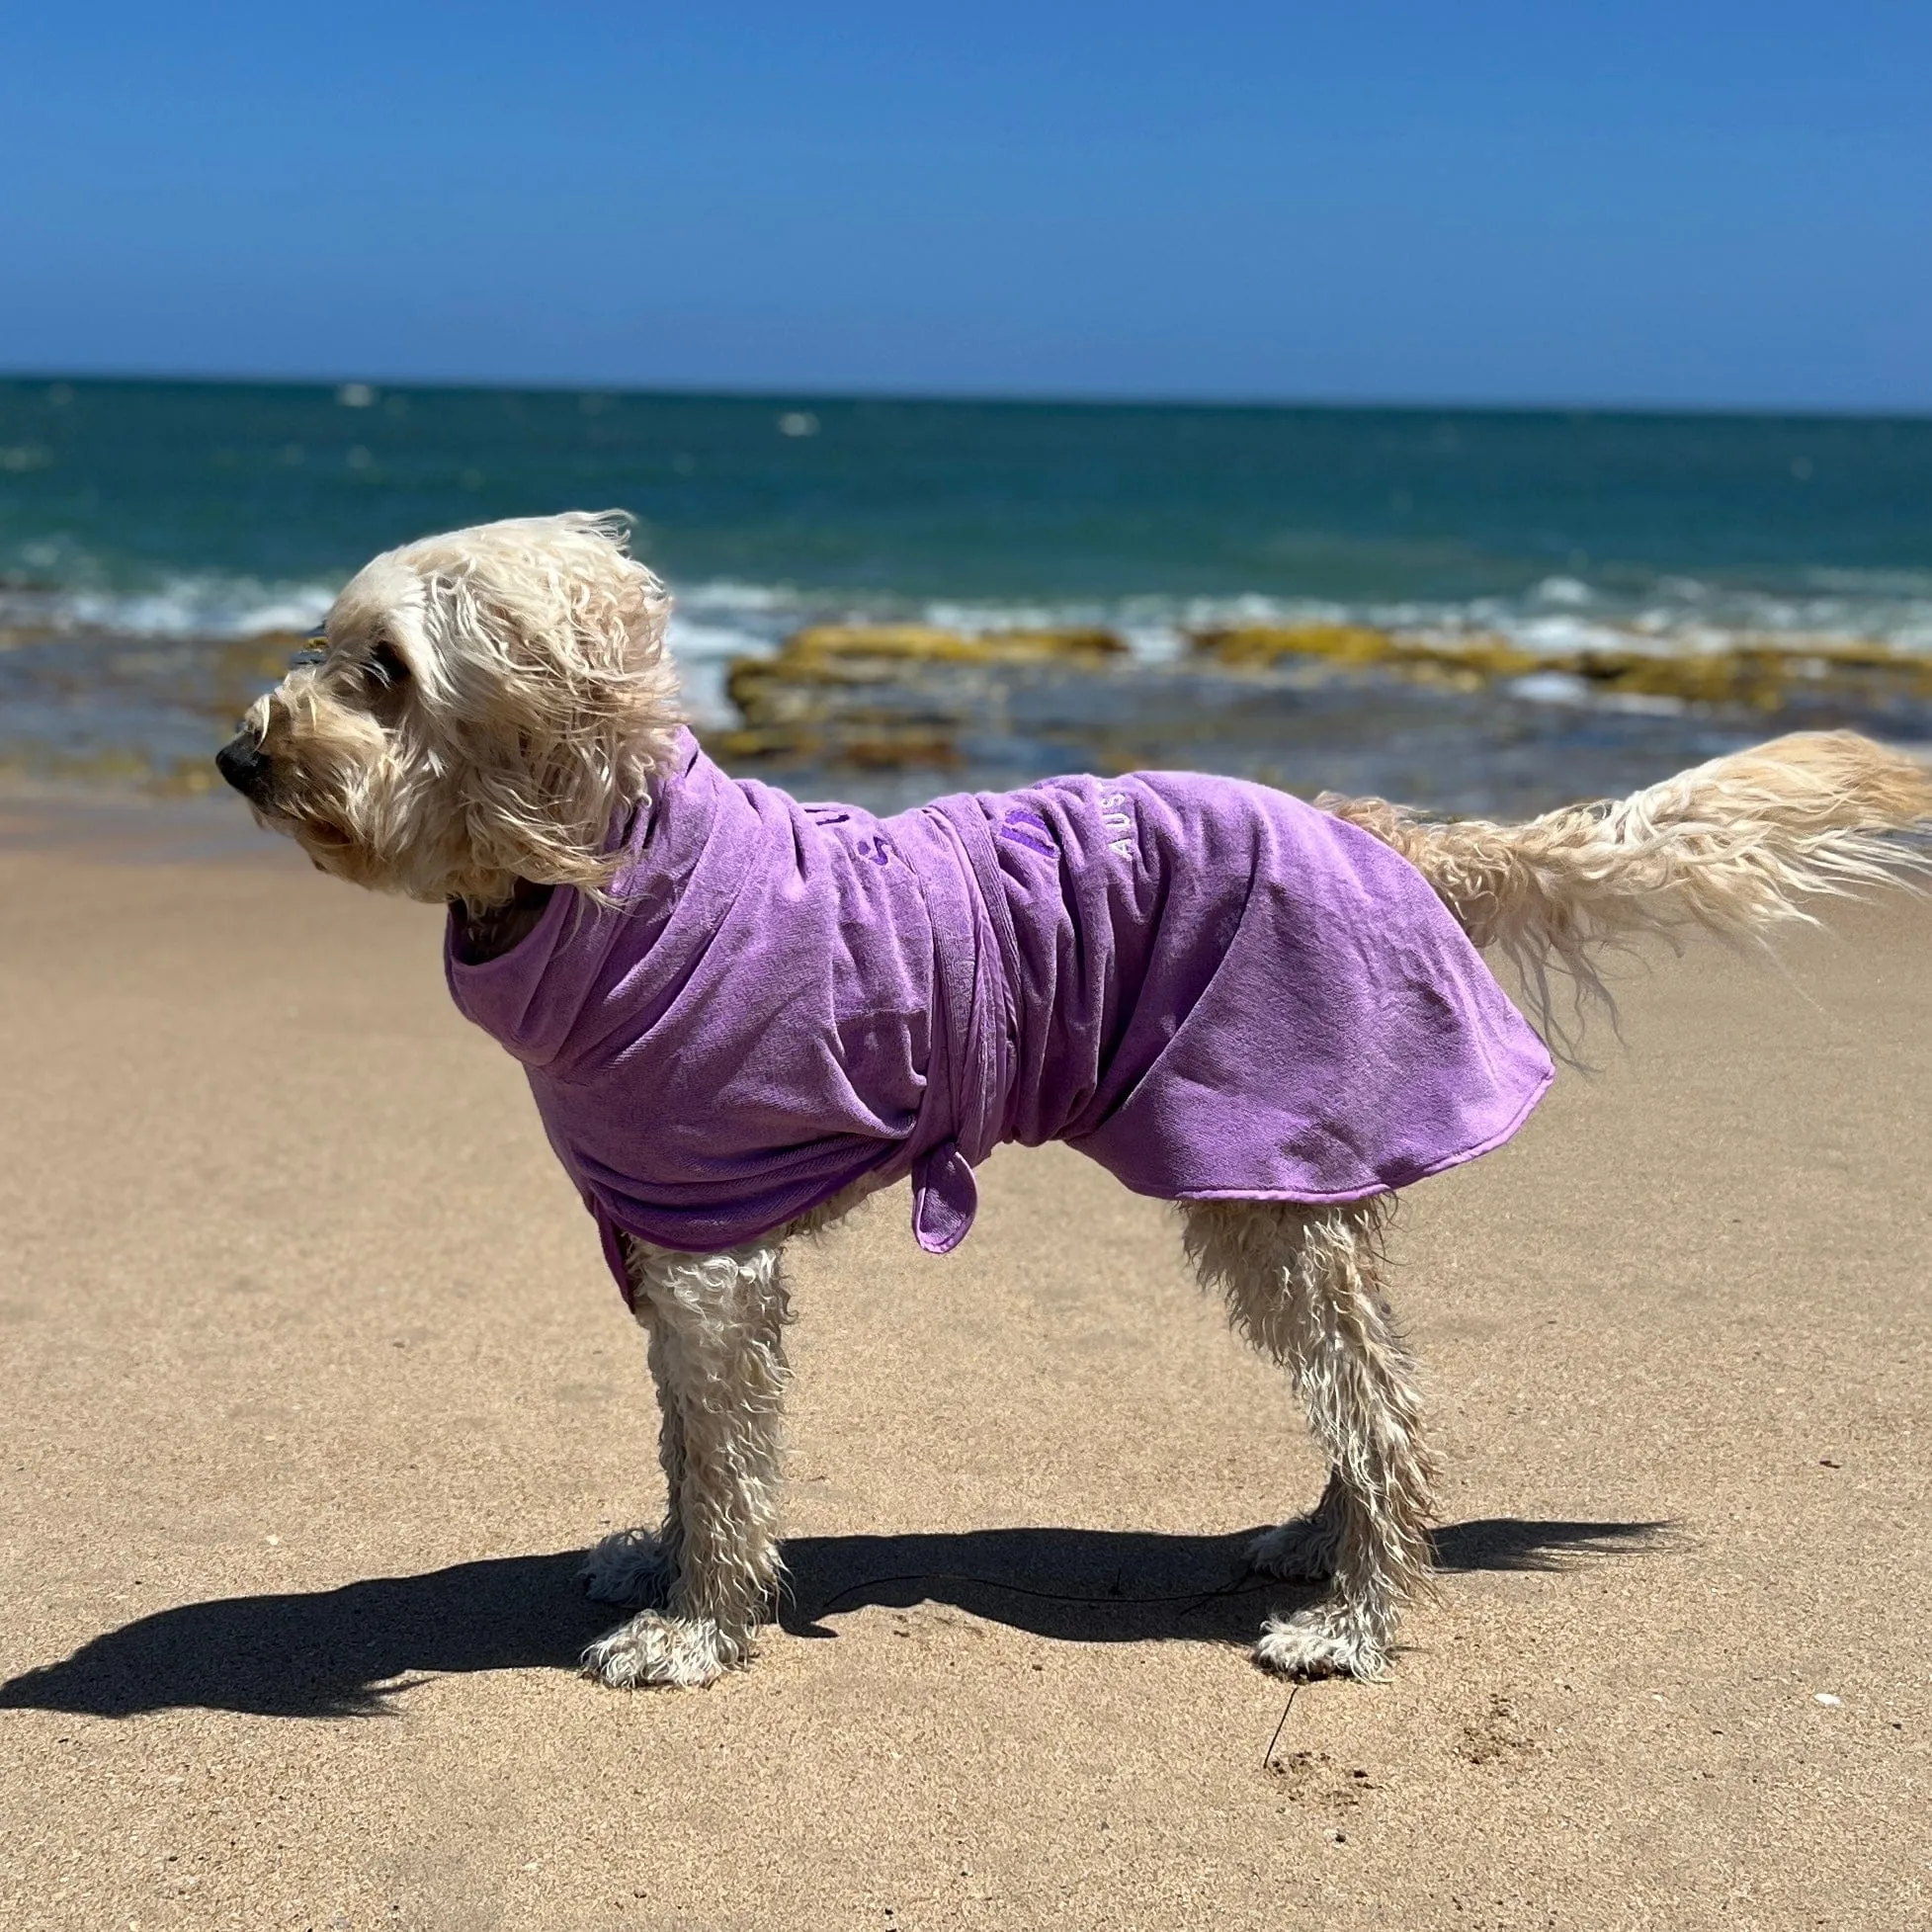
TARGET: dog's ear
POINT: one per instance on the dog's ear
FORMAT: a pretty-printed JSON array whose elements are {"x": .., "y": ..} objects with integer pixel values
[{"x": 548, "y": 640}]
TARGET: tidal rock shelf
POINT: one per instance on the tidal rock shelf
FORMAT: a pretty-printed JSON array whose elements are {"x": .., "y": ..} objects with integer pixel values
[
  {"x": 1765, "y": 674},
  {"x": 889, "y": 714}
]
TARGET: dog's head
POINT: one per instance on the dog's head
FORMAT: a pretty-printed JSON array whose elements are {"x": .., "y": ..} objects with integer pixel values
[{"x": 483, "y": 707}]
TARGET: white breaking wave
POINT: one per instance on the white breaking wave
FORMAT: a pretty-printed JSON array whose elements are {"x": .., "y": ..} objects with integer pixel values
[
  {"x": 716, "y": 622},
  {"x": 205, "y": 606}
]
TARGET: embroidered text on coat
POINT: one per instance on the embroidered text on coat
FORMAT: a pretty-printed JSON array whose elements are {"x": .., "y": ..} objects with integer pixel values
[{"x": 1024, "y": 827}]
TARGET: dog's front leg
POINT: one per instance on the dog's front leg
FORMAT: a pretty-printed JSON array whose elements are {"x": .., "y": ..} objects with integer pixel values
[
  {"x": 634, "y": 1567},
  {"x": 718, "y": 1354}
]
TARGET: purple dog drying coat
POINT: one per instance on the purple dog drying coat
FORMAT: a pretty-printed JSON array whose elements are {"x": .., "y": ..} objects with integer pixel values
[{"x": 1213, "y": 990}]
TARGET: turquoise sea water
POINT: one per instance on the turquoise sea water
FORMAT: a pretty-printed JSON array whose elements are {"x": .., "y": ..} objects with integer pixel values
[{"x": 172, "y": 517}]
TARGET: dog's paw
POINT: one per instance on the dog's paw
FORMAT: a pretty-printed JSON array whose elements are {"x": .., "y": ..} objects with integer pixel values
[
  {"x": 1303, "y": 1552},
  {"x": 627, "y": 1569},
  {"x": 1319, "y": 1643},
  {"x": 687, "y": 1652}
]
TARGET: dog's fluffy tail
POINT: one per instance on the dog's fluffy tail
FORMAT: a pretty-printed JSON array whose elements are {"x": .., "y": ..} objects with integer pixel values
[{"x": 1730, "y": 848}]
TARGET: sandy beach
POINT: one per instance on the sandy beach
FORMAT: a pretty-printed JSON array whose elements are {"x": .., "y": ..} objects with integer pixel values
[{"x": 312, "y": 1389}]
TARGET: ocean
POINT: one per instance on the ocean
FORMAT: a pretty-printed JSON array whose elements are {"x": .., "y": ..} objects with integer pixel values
[{"x": 158, "y": 542}]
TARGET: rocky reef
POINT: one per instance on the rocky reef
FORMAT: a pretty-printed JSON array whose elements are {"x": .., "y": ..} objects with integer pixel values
[
  {"x": 891, "y": 694},
  {"x": 140, "y": 712},
  {"x": 1767, "y": 674},
  {"x": 888, "y": 714}
]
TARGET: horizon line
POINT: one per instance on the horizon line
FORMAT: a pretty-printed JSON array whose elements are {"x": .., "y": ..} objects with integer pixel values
[{"x": 944, "y": 398}]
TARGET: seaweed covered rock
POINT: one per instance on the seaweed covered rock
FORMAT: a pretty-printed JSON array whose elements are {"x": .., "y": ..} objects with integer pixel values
[
  {"x": 890, "y": 693},
  {"x": 1762, "y": 674},
  {"x": 1458, "y": 664},
  {"x": 849, "y": 645}
]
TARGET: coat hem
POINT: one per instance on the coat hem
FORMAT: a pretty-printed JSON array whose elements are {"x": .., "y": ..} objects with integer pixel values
[{"x": 1339, "y": 1197}]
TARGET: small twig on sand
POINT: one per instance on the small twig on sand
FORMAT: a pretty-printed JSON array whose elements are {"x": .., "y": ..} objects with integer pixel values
[{"x": 1268, "y": 1756}]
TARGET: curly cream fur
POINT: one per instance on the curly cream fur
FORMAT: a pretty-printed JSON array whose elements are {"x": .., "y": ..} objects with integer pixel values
[
  {"x": 1728, "y": 848},
  {"x": 717, "y": 1328},
  {"x": 535, "y": 704},
  {"x": 1304, "y": 1284}
]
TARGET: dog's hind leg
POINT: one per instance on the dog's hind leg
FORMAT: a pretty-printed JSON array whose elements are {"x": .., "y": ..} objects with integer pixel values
[
  {"x": 717, "y": 1353},
  {"x": 1304, "y": 1284}
]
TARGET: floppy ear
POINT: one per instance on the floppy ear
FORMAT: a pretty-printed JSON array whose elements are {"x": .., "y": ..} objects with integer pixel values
[{"x": 549, "y": 640}]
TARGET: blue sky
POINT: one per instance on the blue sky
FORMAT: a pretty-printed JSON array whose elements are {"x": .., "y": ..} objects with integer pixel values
[{"x": 1692, "y": 204}]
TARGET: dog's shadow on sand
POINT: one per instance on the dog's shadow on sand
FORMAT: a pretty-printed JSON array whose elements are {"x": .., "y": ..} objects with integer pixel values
[{"x": 349, "y": 1653}]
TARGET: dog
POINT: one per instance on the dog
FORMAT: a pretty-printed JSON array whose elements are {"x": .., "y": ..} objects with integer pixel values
[{"x": 741, "y": 1015}]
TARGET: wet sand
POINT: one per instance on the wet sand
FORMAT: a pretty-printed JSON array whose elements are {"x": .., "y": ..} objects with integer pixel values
[{"x": 311, "y": 1388}]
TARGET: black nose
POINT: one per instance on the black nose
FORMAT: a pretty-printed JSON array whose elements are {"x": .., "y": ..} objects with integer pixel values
[{"x": 242, "y": 762}]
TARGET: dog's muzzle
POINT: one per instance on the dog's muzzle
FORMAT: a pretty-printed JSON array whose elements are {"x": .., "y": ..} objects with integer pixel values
[{"x": 243, "y": 763}]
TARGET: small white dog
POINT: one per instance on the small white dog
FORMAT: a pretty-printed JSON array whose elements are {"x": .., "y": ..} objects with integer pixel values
[{"x": 741, "y": 1015}]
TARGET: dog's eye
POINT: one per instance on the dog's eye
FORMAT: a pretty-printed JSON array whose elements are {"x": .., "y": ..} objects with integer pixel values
[{"x": 387, "y": 670}]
